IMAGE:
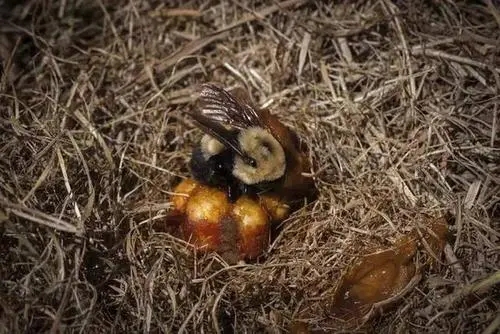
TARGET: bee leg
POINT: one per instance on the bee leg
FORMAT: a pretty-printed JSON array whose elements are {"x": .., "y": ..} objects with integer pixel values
[
  {"x": 233, "y": 191},
  {"x": 231, "y": 194},
  {"x": 245, "y": 190}
]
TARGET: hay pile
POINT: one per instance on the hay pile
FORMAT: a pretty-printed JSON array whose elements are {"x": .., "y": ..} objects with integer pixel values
[{"x": 399, "y": 103}]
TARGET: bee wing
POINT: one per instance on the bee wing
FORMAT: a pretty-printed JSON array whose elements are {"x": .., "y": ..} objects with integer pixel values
[
  {"x": 227, "y": 137},
  {"x": 221, "y": 106}
]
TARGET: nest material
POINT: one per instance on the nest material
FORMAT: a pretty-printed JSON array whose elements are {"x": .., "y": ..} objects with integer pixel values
[{"x": 399, "y": 104}]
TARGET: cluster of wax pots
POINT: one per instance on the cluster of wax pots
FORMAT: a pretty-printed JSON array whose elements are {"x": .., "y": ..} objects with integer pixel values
[{"x": 239, "y": 230}]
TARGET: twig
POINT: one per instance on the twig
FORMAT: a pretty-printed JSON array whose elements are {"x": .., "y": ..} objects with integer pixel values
[{"x": 421, "y": 50}]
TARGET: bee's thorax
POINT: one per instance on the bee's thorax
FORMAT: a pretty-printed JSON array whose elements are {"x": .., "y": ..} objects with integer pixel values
[{"x": 267, "y": 152}]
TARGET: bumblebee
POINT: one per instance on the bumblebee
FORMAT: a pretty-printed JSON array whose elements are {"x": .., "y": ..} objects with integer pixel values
[{"x": 245, "y": 149}]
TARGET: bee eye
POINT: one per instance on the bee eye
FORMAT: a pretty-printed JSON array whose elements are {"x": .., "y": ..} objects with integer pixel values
[
  {"x": 250, "y": 161},
  {"x": 219, "y": 167}
]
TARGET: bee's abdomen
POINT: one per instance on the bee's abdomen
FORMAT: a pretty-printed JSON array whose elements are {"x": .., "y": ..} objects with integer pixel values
[
  {"x": 215, "y": 171},
  {"x": 201, "y": 168}
]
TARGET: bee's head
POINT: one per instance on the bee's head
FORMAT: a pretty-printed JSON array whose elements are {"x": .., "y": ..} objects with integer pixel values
[{"x": 265, "y": 162}]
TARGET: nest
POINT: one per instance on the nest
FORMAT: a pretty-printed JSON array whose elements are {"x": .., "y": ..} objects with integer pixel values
[{"x": 399, "y": 104}]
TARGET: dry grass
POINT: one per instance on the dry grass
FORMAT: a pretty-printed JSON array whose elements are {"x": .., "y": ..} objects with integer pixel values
[{"x": 399, "y": 103}]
